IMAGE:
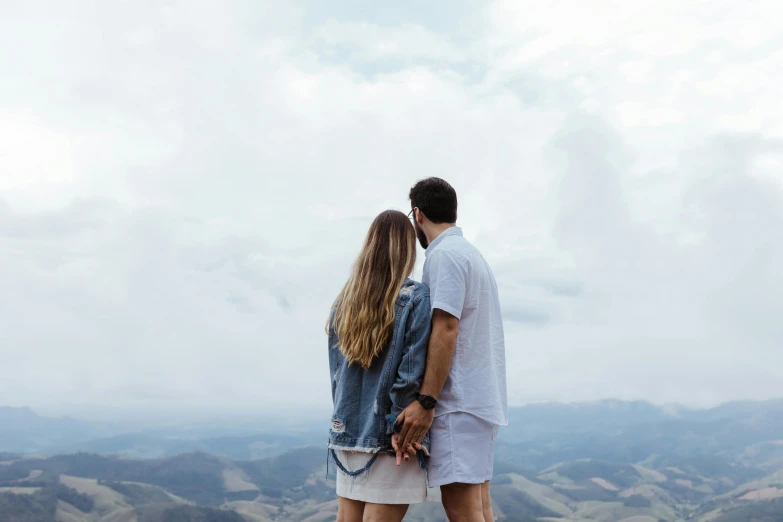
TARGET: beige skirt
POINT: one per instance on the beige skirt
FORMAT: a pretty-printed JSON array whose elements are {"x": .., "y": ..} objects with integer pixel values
[{"x": 384, "y": 482}]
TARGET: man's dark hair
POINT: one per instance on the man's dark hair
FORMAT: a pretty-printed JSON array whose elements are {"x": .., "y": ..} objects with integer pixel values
[{"x": 436, "y": 199}]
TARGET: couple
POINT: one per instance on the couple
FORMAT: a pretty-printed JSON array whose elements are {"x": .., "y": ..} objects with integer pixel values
[{"x": 418, "y": 369}]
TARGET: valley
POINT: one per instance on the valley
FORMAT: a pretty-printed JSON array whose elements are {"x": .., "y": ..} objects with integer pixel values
[{"x": 608, "y": 461}]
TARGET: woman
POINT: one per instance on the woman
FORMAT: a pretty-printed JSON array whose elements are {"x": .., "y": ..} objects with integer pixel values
[{"x": 378, "y": 334}]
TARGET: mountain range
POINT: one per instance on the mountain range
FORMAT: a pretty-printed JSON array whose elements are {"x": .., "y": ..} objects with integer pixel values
[{"x": 607, "y": 461}]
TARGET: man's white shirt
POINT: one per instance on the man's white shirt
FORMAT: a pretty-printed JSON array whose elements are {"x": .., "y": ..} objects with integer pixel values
[{"x": 461, "y": 283}]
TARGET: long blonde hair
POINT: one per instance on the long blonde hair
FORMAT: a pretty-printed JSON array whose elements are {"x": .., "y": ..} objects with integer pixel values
[{"x": 364, "y": 318}]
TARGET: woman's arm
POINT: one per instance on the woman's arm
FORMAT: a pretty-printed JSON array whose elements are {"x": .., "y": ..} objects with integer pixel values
[{"x": 410, "y": 374}]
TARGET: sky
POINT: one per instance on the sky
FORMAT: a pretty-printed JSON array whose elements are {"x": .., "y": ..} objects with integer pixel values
[{"x": 185, "y": 184}]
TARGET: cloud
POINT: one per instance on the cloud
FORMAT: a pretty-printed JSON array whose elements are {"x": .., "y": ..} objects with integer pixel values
[
  {"x": 366, "y": 42},
  {"x": 183, "y": 190}
]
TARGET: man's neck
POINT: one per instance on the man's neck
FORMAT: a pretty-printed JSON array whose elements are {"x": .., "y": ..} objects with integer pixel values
[{"x": 437, "y": 229}]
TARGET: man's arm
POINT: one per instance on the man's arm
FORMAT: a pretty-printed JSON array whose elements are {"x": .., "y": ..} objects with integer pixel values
[
  {"x": 443, "y": 344},
  {"x": 440, "y": 353}
]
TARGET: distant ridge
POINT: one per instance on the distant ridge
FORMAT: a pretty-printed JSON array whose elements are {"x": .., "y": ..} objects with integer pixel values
[{"x": 24, "y": 431}]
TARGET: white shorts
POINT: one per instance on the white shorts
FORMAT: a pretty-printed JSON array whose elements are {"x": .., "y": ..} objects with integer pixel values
[
  {"x": 384, "y": 482},
  {"x": 463, "y": 450}
]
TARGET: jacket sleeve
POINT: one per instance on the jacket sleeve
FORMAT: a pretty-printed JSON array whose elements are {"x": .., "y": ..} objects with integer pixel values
[{"x": 410, "y": 373}]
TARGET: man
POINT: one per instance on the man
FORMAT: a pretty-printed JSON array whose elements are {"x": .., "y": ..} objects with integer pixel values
[{"x": 463, "y": 396}]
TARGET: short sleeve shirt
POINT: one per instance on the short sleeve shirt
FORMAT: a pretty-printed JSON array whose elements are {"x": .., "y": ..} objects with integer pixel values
[{"x": 462, "y": 284}]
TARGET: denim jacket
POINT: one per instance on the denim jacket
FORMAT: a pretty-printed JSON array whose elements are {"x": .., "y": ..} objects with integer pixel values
[{"x": 367, "y": 402}]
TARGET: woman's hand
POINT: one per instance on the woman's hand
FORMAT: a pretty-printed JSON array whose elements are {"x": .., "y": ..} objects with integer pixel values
[{"x": 401, "y": 454}]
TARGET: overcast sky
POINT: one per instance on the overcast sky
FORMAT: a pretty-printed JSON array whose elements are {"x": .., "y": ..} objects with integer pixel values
[{"x": 184, "y": 185}]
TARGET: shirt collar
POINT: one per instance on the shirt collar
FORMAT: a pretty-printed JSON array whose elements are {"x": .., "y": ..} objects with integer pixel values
[{"x": 451, "y": 231}]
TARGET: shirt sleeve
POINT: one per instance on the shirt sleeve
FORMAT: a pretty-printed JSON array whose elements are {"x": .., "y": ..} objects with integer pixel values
[{"x": 448, "y": 281}]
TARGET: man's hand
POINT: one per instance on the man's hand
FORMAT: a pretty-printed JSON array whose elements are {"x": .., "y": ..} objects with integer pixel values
[{"x": 416, "y": 422}]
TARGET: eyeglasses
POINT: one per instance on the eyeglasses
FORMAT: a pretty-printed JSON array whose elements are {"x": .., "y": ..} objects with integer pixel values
[{"x": 412, "y": 214}]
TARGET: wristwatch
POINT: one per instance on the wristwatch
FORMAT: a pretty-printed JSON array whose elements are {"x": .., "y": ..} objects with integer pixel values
[{"x": 426, "y": 401}]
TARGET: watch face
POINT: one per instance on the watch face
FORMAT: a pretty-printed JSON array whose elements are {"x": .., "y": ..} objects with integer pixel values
[{"x": 427, "y": 401}]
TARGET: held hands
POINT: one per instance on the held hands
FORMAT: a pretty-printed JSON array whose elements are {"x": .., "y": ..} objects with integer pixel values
[
  {"x": 416, "y": 422},
  {"x": 398, "y": 449}
]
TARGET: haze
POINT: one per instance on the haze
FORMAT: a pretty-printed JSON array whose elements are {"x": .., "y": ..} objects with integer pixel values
[{"x": 184, "y": 185}]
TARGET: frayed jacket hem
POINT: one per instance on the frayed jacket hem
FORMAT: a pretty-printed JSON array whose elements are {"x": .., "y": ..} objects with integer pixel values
[{"x": 353, "y": 449}]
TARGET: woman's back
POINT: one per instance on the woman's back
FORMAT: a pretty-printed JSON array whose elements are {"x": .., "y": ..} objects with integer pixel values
[{"x": 367, "y": 401}]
